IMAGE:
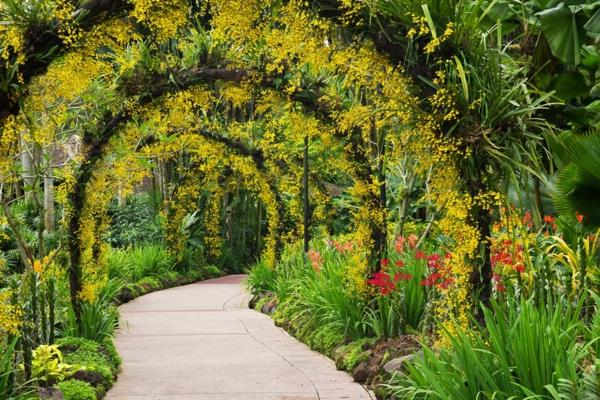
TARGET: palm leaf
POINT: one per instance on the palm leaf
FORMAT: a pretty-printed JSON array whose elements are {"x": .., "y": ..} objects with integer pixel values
[
  {"x": 578, "y": 183},
  {"x": 560, "y": 28},
  {"x": 592, "y": 27}
]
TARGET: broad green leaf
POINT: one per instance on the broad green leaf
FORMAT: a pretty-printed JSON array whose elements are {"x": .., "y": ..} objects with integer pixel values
[{"x": 560, "y": 28}]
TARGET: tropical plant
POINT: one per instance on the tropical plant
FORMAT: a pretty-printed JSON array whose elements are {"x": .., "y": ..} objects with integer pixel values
[
  {"x": 135, "y": 224},
  {"x": 505, "y": 358},
  {"x": 8, "y": 371},
  {"x": 48, "y": 367},
  {"x": 261, "y": 278},
  {"x": 578, "y": 181}
]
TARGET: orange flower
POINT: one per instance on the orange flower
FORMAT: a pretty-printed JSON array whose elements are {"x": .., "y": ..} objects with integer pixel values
[
  {"x": 412, "y": 240},
  {"x": 400, "y": 244},
  {"x": 38, "y": 266},
  {"x": 315, "y": 260}
]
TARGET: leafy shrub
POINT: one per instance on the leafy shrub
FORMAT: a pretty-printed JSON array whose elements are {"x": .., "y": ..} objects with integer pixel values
[
  {"x": 135, "y": 264},
  {"x": 319, "y": 293},
  {"x": 48, "y": 366},
  {"x": 74, "y": 389},
  {"x": 92, "y": 356},
  {"x": 352, "y": 354},
  {"x": 135, "y": 224},
  {"x": 261, "y": 278}
]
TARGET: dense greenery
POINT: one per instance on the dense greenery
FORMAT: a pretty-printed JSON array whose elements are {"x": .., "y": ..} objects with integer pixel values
[{"x": 386, "y": 169}]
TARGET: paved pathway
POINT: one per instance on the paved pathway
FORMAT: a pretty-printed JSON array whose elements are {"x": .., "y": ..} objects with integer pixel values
[{"x": 201, "y": 342}]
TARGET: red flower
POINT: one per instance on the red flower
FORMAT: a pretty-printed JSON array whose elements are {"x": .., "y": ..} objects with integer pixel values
[
  {"x": 420, "y": 255},
  {"x": 383, "y": 281},
  {"x": 527, "y": 219},
  {"x": 402, "y": 277},
  {"x": 343, "y": 247},
  {"x": 446, "y": 283},
  {"x": 384, "y": 262},
  {"x": 315, "y": 260},
  {"x": 520, "y": 268},
  {"x": 433, "y": 261},
  {"x": 431, "y": 279},
  {"x": 579, "y": 217},
  {"x": 400, "y": 264},
  {"x": 500, "y": 288}
]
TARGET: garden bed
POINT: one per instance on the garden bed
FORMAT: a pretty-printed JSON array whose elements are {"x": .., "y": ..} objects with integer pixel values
[{"x": 370, "y": 361}]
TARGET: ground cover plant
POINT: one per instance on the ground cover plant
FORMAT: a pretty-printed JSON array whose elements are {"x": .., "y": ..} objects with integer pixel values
[{"x": 411, "y": 184}]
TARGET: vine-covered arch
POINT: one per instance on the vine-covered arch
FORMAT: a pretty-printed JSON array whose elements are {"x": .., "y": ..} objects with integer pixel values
[{"x": 258, "y": 82}]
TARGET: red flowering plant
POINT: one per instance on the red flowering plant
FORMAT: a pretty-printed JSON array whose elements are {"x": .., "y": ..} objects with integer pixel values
[
  {"x": 407, "y": 280},
  {"x": 512, "y": 242}
]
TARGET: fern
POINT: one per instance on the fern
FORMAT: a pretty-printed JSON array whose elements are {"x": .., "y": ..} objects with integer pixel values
[{"x": 590, "y": 386}]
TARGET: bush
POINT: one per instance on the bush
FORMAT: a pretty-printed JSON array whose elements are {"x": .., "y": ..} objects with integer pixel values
[
  {"x": 321, "y": 293},
  {"x": 135, "y": 264},
  {"x": 48, "y": 367},
  {"x": 99, "y": 361},
  {"x": 135, "y": 224},
  {"x": 261, "y": 279},
  {"x": 74, "y": 389}
]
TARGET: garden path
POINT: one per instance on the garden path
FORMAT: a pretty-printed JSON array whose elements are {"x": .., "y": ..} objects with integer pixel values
[{"x": 202, "y": 342}]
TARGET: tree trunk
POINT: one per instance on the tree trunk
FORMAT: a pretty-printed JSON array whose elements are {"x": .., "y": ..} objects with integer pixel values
[
  {"x": 49, "y": 210},
  {"x": 27, "y": 164},
  {"x": 305, "y": 198}
]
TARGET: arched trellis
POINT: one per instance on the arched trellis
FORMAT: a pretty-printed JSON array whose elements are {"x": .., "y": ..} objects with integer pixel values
[
  {"x": 96, "y": 142},
  {"x": 96, "y": 145}
]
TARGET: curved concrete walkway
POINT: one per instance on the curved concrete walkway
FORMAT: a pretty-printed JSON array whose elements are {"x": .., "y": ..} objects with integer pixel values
[{"x": 201, "y": 342}]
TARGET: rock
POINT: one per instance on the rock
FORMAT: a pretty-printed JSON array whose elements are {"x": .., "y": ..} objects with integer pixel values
[
  {"x": 253, "y": 301},
  {"x": 397, "y": 364},
  {"x": 361, "y": 372},
  {"x": 270, "y": 307},
  {"x": 50, "y": 393},
  {"x": 92, "y": 377}
]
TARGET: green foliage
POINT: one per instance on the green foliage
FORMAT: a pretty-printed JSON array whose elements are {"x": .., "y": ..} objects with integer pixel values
[
  {"x": 261, "y": 279},
  {"x": 352, "y": 354},
  {"x": 48, "y": 365},
  {"x": 506, "y": 358},
  {"x": 91, "y": 355},
  {"x": 135, "y": 264},
  {"x": 74, "y": 389},
  {"x": 98, "y": 321},
  {"x": 578, "y": 183},
  {"x": 135, "y": 224},
  {"x": 10, "y": 389}
]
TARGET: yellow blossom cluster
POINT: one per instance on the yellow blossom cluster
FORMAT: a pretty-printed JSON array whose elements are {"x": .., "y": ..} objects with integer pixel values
[
  {"x": 68, "y": 29},
  {"x": 10, "y": 315},
  {"x": 165, "y": 18}
]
